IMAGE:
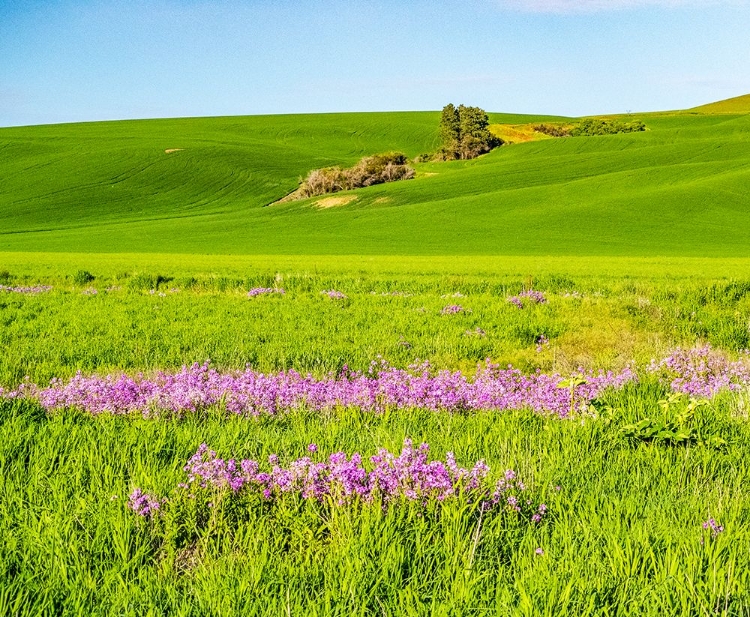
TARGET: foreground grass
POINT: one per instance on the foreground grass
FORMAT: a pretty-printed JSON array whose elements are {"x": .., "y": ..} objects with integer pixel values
[{"x": 624, "y": 535}]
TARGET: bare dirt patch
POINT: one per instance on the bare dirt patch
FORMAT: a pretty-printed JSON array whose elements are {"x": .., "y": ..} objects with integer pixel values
[
  {"x": 170, "y": 150},
  {"x": 332, "y": 202}
]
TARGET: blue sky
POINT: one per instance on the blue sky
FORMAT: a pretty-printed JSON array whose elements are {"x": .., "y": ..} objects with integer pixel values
[{"x": 73, "y": 60}]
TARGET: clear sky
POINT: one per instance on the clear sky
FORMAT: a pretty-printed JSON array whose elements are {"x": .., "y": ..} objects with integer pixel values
[{"x": 72, "y": 60}]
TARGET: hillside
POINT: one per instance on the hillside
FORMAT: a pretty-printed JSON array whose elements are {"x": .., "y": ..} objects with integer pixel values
[
  {"x": 204, "y": 185},
  {"x": 735, "y": 105}
]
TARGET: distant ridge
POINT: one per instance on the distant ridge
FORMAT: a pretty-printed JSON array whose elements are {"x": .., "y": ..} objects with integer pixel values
[
  {"x": 736, "y": 105},
  {"x": 201, "y": 186}
]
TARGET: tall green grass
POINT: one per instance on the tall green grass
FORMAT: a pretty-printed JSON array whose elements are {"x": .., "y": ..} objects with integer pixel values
[
  {"x": 164, "y": 319},
  {"x": 624, "y": 534}
]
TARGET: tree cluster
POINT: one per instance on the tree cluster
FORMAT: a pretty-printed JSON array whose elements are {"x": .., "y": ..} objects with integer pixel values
[
  {"x": 590, "y": 127},
  {"x": 370, "y": 170},
  {"x": 464, "y": 133}
]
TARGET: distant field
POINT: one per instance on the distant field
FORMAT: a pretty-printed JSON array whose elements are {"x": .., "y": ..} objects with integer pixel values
[{"x": 677, "y": 190}]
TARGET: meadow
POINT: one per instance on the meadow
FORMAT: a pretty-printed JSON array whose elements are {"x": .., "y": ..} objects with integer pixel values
[
  {"x": 623, "y": 533},
  {"x": 513, "y": 386}
]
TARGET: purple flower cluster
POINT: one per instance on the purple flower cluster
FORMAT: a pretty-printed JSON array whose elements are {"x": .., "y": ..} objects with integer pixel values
[
  {"x": 385, "y": 479},
  {"x": 541, "y": 342},
  {"x": 452, "y": 309},
  {"x": 714, "y": 526},
  {"x": 335, "y": 295},
  {"x": 530, "y": 295},
  {"x": 701, "y": 371},
  {"x": 143, "y": 504},
  {"x": 508, "y": 494},
  {"x": 36, "y": 289},
  {"x": 409, "y": 476},
  {"x": 259, "y": 291},
  {"x": 253, "y": 393}
]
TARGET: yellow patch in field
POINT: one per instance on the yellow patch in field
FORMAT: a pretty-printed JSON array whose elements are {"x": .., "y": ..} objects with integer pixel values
[
  {"x": 382, "y": 200},
  {"x": 332, "y": 202},
  {"x": 517, "y": 133},
  {"x": 170, "y": 150}
]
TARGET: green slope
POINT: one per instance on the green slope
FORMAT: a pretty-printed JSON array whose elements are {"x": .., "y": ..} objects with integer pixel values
[
  {"x": 735, "y": 105},
  {"x": 679, "y": 189},
  {"x": 66, "y": 175}
]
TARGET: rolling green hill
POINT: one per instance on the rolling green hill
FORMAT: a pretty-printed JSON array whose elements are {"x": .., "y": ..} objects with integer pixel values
[
  {"x": 735, "y": 105},
  {"x": 205, "y": 185}
]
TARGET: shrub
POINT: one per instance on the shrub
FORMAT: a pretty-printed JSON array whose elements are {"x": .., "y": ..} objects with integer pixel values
[
  {"x": 590, "y": 127},
  {"x": 595, "y": 126},
  {"x": 322, "y": 181},
  {"x": 143, "y": 281},
  {"x": 83, "y": 277},
  {"x": 553, "y": 130},
  {"x": 377, "y": 169}
]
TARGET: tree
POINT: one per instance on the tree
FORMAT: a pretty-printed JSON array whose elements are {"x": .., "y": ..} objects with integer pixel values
[
  {"x": 450, "y": 131},
  {"x": 465, "y": 133}
]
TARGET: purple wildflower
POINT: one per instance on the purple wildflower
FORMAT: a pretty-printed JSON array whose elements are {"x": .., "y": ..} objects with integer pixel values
[
  {"x": 335, "y": 295},
  {"x": 532, "y": 296},
  {"x": 252, "y": 393},
  {"x": 258, "y": 291},
  {"x": 714, "y": 526},
  {"x": 386, "y": 478},
  {"x": 143, "y": 504},
  {"x": 701, "y": 371},
  {"x": 452, "y": 309},
  {"x": 33, "y": 290}
]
